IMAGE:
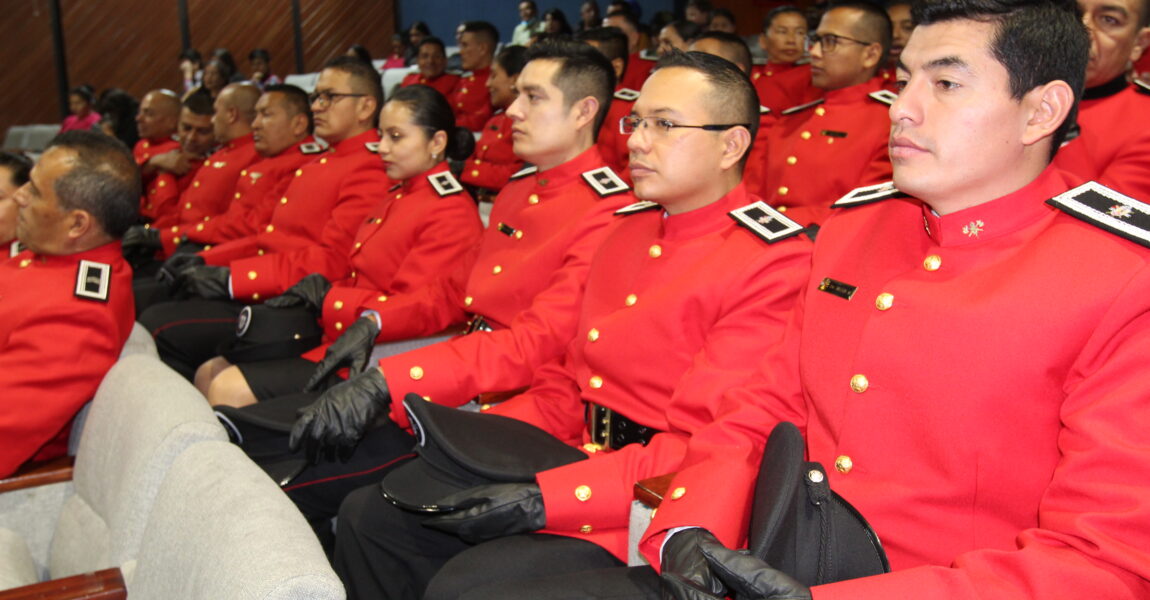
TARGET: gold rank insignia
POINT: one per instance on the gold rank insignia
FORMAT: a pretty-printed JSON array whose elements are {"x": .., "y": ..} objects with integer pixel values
[
  {"x": 1107, "y": 209},
  {"x": 445, "y": 183},
  {"x": 887, "y": 97},
  {"x": 604, "y": 181},
  {"x": 92, "y": 280},
  {"x": 765, "y": 222}
]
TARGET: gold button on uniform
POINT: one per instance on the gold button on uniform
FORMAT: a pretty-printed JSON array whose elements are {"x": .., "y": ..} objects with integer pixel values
[
  {"x": 163, "y": 183},
  {"x": 596, "y": 382},
  {"x": 932, "y": 262},
  {"x": 255, "y": 296},
  {"x": 592, "y": 448},
  {"x": 270, "y": 228},
  {"x": 583, "y": 493},
  {"x": 244, "y": 173},
  {"x": 382, "y": 298},
  {"x": 585, "y": 529},
  {"x": 844, "y": 464},
  {"x": 792, "y": 160},
  {"x": 283, "y": 200},
  {"x": 200, "y": 227},
  {"x": 631, "y": 300},
  {"x": 783, "y": 190},
  {"x": 475, "y": 173},
  {"x": 678, "y": 493},
  {"x": 533, "y": 199},
  {"x": 252, "y": 275},
  {"x": 416, "y": 373},
  {"x": 496, "y": 270},
  {"x": 323, "y": 161},
  {"x": 338, "y": 305},
  {"x": 237, "y": 195},
  {"x": 655, "y": 251},
  {"x": 820, "y": 111},
  {"x": 468, "y": 300},
  {"x": 593, "y": 335},
  {"x": 187, "y": 206},
  {"x": 884, "y": 301},
  {"x": 859, "y": 383},
  {"x": 338, "y": 326},
  {"x": 298, "y": 172},
  {"x": 358, "y": 245},
  {"x": 24, "y": 263},
  {"x": 806, "y": 135},
  {"x": 519, "y": 234}
]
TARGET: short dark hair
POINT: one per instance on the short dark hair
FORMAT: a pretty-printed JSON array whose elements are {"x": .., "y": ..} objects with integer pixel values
[
  {"x": 687, "y": 30},
  {"x": 1036, "y": 41},
  {"x": 260, "y": 53},
  {"x": 583, "y": 71},
  {"x": 84, "y": 91},
  {"x": 627, "y": 16},
  {"x": 738, "y": 47},
  {"x": 227, "y": 69},
  {"x": 19, "y": 165},
  {"x": 193, "y": 55},
  {"x": 782, "y": 10},
  {"x": 364, "y": 80},
  {"x": 105, "y": 181},
  {"x": 295, "y": 100},
  {"x": 875, "y": 25},
  {"x": 431, "y": 111},
  {"x": 611, "y": 41},
  {"x": 199, "y": 101},
  {"x": 511, "y": 59},
  {"x": 722, "y": 12},
  {"x": 733, "y": 96},
  {"x": 433, "y": 41},
  {"x": 486, "y": 32}
]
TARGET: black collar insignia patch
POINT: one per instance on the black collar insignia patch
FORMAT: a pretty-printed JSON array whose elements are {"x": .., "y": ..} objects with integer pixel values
[
  {"x": 372, "y": 147},
  {"x": 310, "y": 148},
  {"x": 887, "y": 97},
  {"x": 1141, "y": 87},
  {"x": 868, "y": 194},
  {"x": 1107, "y": 209},
  {"x": 605, "y": 181},
  {"x": 525, "y": 171},
  {"x": 639, "y": 206},
  {"x": 794, "y": 109},
  {"x": 837, "y": 288},
  {"x": 445, "y": 183},
  {"x": 627, "y": 94},
  {"x": 394, "y": 187},
  {"x": 93, "y": 280},
  {"x": 765, "y": 222}
]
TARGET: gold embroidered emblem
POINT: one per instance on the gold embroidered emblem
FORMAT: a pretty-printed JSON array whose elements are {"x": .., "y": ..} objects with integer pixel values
[
  {"x": 974, "y": 228},
  {"x": 763, "y": 220},
  {"x": 1120, "y": 211},
  {"x": 255, "y": 176}
]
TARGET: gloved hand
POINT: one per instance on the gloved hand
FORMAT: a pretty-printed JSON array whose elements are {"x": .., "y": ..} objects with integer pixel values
[
  {"x": 205, "y": 281},
  {"x": 142, "y": 240},
  {"x": 352, "y": 349},
  {"x": 490, "y": 511},
  {"x": 308, "y": 292},
  {"x": 341, "y": 415},
  {"x": 170, "y": 271},
  {"x": 685, "y": 577}
]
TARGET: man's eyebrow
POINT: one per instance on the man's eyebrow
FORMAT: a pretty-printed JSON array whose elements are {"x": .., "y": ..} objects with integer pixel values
[{"x": 938, "y": 63}]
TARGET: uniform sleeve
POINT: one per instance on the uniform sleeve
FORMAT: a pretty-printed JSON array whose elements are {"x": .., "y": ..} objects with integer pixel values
[
  {"x": 704, "y": 430},
  {"x": 51, "y": 365},
  {"x": 1129, "y": 170},
  {"x": 553, "y": 404},
  {"x": 425, "y": 311},
  {"x": 243, "y": 218},
  {"x": 223, "y": 254}
]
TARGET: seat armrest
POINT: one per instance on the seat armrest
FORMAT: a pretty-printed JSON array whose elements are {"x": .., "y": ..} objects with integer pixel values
[
  {"x": 107, "y": 584},
  {"x": 650, "y": 491},
  {"x": 39, "y": 473}
]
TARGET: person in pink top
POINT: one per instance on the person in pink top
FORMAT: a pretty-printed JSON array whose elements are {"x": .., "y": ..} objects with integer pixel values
[{"x": 81, "y": 101}]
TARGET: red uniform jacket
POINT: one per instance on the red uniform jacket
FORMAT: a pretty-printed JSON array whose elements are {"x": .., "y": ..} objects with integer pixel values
[
  {"x": 444, "y": 84},
  {"x": 612, "y": 144},
  {"x": 1113, "y": 146},
  {"x": 525, "y": 280},
  {"x": 146, "y": 149},
  {"x": 162, "y": 193},
  {"x": 817, "y": 154},
  {"x": 312, "y": 232},
  {"x": 471, "y": 101},
  {"x": 417, "y": 234},
  {"x": 214, "y": 184},
  {"x": 63, "y": 322},
  {"x": 677, "y": 309},
  {"x": 785, "y": 88},
  {"x": 258, "y": 191},
  {"x": 978, "y": 398},
  {"x": 493, "y": 162},
  {"x": 637, "y": 71}
]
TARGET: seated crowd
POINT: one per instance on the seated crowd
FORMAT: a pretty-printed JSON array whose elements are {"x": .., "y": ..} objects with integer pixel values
[{"x": 630, "y": 250}]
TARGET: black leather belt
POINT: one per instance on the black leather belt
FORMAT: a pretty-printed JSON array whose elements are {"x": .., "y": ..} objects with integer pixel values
[
  {"x": 477, "y": 323},
  {"x": 612, "y": 430}
]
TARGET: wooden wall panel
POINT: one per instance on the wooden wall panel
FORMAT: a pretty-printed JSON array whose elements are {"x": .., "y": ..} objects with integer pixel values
[
  {"x": 131, "y": 45},
  {"x": 242, "y": 26},
  {"x": 330, "y": 26},
  {"x": 27, "y": 73}
]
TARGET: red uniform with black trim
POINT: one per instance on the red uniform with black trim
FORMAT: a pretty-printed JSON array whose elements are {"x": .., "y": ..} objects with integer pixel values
[
  {"x": 414, "y": 236},
  {"x": 525, "y": 280},
  {"x": 444, "y": 84},
  {"x": 471, "y": 101},
  {"x": 213, "y": 185},
  {"x": 677, "y": 309},
  {"x": 1113, "y": 145},
  {"x": 980, "y": 398},
  {"x": 816, "y": 155},
  {"x": 258, "y": 191},
  {"x": 612, "y": 143},
  {"x": 493, "y": 162},
  {"x": 56, "y": 344},
  {"x": 637, "y": 71},
  {"x": 313, "y": 230}
]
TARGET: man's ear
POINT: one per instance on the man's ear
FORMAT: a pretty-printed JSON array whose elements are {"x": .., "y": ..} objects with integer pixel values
[
  {"x": 872, "y": 54},
  {"x": 736, "y": 144},
  {"x": 80, "y": 222},
  {"x": 367, "y": 106},
  {"x": 1047, "y": 105},
  {"x": 585, "y": 110},
  {"x": 1141, "y": 41}
]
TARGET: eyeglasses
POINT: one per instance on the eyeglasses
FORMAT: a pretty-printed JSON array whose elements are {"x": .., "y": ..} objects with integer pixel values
[
  {"x": 324, "y": 99},
  {"x": 631, "y": 123},
  {"x": 830, "y": 41}
]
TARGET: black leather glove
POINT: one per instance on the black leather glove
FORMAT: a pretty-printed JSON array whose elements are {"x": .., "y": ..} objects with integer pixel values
[
  {"x": 308, "y": 292},
  {"x": 341, "y": 415},
  {"x": 140, "y": 240},
  {"x": 745, "y": 575},
  {"x": 351, "y": 349},
  {"x": 205, "y": 281},
  {"x": 170, "y": 271},
  {"x": 490, "y": 511}
]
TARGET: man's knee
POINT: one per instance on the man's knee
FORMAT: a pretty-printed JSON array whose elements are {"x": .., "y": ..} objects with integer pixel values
[{"x": 228, "y": 387}]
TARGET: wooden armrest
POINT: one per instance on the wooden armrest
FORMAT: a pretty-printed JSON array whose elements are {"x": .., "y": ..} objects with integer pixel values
[
  {"x": 650, "y": 491},
  {"x": 39, "y": 473},
  {"x": 101, "y": 585}
]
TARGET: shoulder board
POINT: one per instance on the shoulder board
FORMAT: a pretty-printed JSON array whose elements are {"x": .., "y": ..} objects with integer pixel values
[
  {"x": 93, "y": 280},
  {"x": 647, "y": 54},
  {"x": 627, "y": 94},
  {"x": 525, "y": 171},
  {"x": 639, "y": 206},
  {"x": 394, "y": 187},
  {"x": 765, "y": 222},
  {"x": 605, "y": 182},
  {"x": 310, "y": 148},
  {"x": 372, "y": 147},
  {"x": 15, "y": 248},
  {"x": 886, "y": 97},
  {"x": 764, "y": 110},
  {"x": 1071, "y": 134},
  {"x": 1105, "y": 208},
  {"x": 1142, "y": 87},
  {"x": 794, "y": 109},
  {"x": 868, "y": 194},
  {"x": 445, "y": 183}
]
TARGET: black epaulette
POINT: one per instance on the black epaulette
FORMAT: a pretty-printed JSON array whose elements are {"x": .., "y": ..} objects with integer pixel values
[
  {"x": 765, "y": 222},
  {"x": 886, "y": 97},
  {"x": 605, "y": 182},
  {"x": 310, "y": 148},
  {"x": 394, "y": 187},
  {"x": 1072, "y": 133},
  {"x": 525, "y": 171},
  {"x": 648, "y": 54},
  {"x": 93, "y": 280},
  {"x": 794, "y": 109},
  {"x": 445, "y": 183},
  {"x": 1142, "y": 87},
  {"x": 1103, "y": 207},
  {"x": 764, "y": 110},
  {"x": 372, "y": 147},
  {"x": 638, "y": 207},
  {"x": 869, "y": 194},
  {"x": 627, "y": 94}
]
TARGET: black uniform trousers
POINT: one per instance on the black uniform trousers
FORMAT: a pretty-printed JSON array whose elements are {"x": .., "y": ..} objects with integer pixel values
[{"x": 188, "y": 332}]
